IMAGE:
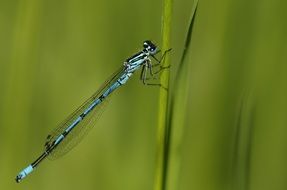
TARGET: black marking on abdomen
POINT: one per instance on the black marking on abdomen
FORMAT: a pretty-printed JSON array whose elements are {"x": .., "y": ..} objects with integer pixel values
[
  {"x": 102, "y": 97},
  {"x": 119, "y": 82},
  {"x": 83, "y": 115},
  {"x": 65, "y": 133}
]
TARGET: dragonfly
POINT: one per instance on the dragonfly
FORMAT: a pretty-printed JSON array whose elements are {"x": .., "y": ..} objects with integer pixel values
[{"x": 72, "y": 130}]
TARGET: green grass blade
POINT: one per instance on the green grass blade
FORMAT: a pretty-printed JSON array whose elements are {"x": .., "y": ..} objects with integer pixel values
[
  {"x": 243, "y": 142},
  {"x": 178, "y": 106},
  {"x": 163, "y": 99}
]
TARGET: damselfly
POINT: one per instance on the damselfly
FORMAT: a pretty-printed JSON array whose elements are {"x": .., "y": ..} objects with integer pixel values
[{"x": 73, "y": 129}]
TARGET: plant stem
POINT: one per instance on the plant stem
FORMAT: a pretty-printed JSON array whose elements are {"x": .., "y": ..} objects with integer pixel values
[{"x": 160, "y": 173}]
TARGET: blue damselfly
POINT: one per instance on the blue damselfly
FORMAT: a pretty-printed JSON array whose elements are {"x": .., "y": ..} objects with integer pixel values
[{"x": 72, "y": 130}]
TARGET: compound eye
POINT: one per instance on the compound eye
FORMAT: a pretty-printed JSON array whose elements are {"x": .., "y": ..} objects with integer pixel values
[
  {"x": 145, "y": 45},
  {"x": 149, "y": 46}
]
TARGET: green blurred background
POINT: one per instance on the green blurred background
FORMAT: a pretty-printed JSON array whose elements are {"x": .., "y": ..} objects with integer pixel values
[{"x": 55, "y": 54}]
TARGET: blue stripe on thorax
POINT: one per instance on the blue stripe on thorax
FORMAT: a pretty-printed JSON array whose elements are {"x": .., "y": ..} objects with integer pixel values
[{"x": 136, "y": 57}]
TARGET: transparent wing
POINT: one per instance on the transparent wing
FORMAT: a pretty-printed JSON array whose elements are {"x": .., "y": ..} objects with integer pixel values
[{"x": 83, "y": 127}]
